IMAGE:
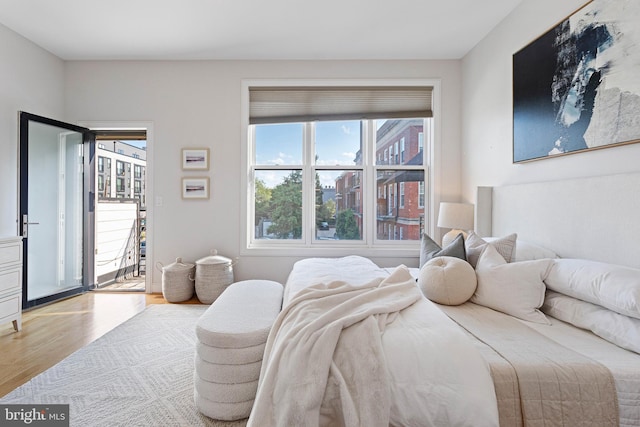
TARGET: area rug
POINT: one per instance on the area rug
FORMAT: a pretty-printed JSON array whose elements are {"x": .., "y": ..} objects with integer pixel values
[{"x": 138, "y": 374}]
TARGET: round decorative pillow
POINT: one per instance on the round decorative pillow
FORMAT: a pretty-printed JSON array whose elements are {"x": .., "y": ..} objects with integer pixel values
[{"x": 447, "y": 280}]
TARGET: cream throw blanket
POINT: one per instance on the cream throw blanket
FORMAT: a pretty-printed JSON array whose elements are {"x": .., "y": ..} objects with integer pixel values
[{"x": 324, "y": 363}]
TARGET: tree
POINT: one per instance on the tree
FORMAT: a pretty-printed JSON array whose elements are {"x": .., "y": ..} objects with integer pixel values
[
  {"x": 326, "y": 212},
  {"x": 346, "y": 226},
  {"x": 262, "y": 201},
  {"x": 286, "y": 207}
]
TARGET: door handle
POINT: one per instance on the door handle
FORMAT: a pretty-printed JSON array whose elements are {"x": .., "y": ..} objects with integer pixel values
[{"x": 25, "y": 226}]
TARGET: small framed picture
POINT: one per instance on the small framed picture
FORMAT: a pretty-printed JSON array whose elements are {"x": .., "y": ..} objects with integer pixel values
[
  {"x": 195, "y": 187},
  {"x": 195, "y": 159}
]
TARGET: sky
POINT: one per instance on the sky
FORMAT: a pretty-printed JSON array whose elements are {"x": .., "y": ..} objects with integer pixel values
[
  {"x": 336, "y": 144},
  {"x": 139, "y": 144}
]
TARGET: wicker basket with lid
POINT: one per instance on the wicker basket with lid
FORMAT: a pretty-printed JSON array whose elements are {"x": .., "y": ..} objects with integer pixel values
[
  {"x": 213, "y": 274},
  {"x": 177, "y": 280}
]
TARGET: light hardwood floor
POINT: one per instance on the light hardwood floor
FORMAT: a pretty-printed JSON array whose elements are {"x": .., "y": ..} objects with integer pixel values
[{"x": 52, "y": 332}]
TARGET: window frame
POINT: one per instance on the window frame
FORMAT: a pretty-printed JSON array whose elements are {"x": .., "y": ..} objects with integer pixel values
[{"x": 370, "y": 245}]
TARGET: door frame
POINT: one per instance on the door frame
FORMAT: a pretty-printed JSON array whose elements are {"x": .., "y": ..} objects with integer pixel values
[
  {"x": 88, "y": 217},
  {"x": 151, "y": 200}
]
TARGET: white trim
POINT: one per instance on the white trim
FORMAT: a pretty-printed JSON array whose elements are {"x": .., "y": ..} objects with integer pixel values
[{"x": 389, "y": 249}]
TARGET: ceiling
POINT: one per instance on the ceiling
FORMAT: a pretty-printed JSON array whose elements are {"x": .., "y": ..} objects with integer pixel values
[{"x": 263, "y": 30}]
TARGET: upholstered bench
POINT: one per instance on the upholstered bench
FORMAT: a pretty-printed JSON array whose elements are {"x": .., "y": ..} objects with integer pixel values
[{"x": 231, "y": 337}]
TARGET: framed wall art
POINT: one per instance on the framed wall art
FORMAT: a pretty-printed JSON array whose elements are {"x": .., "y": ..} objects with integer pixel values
[
  {"x": 577, "y": 87},
  {"x": 195, "y": 159},
  {"x": 195, "y": 187}
]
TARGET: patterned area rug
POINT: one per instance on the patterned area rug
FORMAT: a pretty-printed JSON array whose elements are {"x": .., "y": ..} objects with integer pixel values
[{"x": 138, "y": 374}]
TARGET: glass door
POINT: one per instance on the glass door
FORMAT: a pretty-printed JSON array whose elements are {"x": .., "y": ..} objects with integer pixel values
[{"x": 56, "y": 208}]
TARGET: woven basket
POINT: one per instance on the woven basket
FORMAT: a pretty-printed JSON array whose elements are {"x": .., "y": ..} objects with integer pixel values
[
  {"x": 177, "y": 280},
  {"x": 213, "y": 274}
]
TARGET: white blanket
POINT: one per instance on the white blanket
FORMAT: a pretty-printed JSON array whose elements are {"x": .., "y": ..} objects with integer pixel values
[{"x": 369, "y": 354}]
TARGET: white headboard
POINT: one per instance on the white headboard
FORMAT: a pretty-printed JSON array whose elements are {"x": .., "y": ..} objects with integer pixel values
[{"x": 594, "y": 218}]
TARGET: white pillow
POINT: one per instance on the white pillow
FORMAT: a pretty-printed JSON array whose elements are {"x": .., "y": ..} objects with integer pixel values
[
  {"x": 447, "y": 280},
  {"x": 621, "y": 330},
  {"x": 504, "y": 245},
  {"x": 516, "y": 289},
  {"x": 611, "y": 286},
  {"x": 527, "y": 250}
]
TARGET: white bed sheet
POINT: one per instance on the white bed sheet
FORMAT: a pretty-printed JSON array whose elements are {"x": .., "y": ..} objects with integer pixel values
[{"x": 354, "y": 270}]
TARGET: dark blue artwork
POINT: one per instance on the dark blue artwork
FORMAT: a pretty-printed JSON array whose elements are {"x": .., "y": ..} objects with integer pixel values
[{"x": 573, "y": 88}]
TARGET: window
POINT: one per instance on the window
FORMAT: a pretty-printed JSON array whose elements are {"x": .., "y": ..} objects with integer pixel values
[
  {"x": 331, "y": 181},
  {"x": 137, "y": 186},
  {"x": 100, "y": 183},
  {"x": 137, "y": 171},
  {"x": 119, "y": 168},
  {"x": 100, "y": 164},
  {"x": 120, "y": 187}
]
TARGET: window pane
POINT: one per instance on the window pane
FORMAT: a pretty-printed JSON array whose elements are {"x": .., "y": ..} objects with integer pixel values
[
  {"x": 400, "y": 204},
  {"x": 399, "y": 142},
  {"x": 348, "y": 204},
  {"x": 119, "y": 167},
  {"x": 338, "y": 143},
  {"x": 278, "y": 204},
  {"x": 279, "y": 144}
]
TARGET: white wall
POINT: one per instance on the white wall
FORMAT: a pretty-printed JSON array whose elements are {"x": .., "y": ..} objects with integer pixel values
[
  {"x": 32, "y": 80},
  {"x": 487, "y": 109},
  {"x": 197, "y": 104}
]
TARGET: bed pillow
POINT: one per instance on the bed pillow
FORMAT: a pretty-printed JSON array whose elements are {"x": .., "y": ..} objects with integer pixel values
[
  {"x": 447, "y": 280},
  {"x": 611, "y": 286},
  {"x": 621, "y": 330},
  {"x": 504, "y": 245},
  {"x": 516, "y": 289},
  {"x": 430, "y": 249},
  {"x": 528, "y": 251}
]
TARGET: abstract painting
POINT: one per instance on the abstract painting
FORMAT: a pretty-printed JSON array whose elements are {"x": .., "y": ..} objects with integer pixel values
[{"x": 577, "y": 87}]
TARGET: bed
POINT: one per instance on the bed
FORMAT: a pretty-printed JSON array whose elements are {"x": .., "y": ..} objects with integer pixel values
[{"x": 566, "y": 356}]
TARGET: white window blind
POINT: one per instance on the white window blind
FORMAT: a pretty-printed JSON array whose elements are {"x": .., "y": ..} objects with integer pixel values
[{"x": 284, "y": 104}]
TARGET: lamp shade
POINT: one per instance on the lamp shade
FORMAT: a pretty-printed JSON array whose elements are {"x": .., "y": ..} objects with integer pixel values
[{"x": 455, "y": 215}]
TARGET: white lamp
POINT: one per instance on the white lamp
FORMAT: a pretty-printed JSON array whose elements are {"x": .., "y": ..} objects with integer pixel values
[{"x": 458, "y": 217}]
